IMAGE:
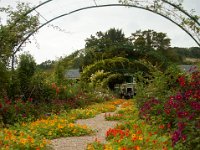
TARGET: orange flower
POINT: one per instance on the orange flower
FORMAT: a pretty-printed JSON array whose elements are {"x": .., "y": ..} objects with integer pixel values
[
  {"x": 135, "y": 126},
  {"x": 162, "y": 126},
  {"x": 154, "y": 141},
  {"x": 134, "y": 137},
  {"x": 137, "y": 148},
  {"x": 123, "y": 148},
  {"x": 164, "y": 148},
  {"x": 147, "y": 140},
  {"x": 139, "y": 132},
  {"x": 150, "y": 134}
]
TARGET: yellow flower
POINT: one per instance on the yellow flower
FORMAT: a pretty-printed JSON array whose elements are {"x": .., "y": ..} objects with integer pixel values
[
  {"x": 23, "y": 141},
  {"x": 49, "y": 133},
  {"x": 41, "y": 145},
  {"x": 90, "y": 147},
  {"x": 23, "y": 124},
  {"x": 74, "y": 131},
  {"x": 6, "y": 138},
  {"x": 108, "y": 147},
  {"x": 60, "y": 126},
  {"x": 21, "y": 133},
  {"x": 134, "y": 135},
  {"x": 44, "y": 141},
  {"x": 140, "y": 138}
]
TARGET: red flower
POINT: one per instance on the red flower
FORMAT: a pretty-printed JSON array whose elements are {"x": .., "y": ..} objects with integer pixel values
[
  {"x": 181, "y": 81},
  {"x": 183, "y": 137},
  {"x": 181, "y": 126},
  {"x": 169, "y": 125},
  {"x": 162, "y": 126},
  {"x": 182, "y": 114},
  {"x": 167, "y": 111},
  {"x": 179, "y": 96},
  {"x": 195, "y": 106},
  {"x": 188, "y": 93},
  {"x": 30, "y": 99},
  {"x": 53, "y": 85},
  {"x": 1, "y": 105}
]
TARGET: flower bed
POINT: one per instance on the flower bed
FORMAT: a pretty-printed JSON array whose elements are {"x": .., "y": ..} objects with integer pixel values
[{"x": 36, "y": 134}]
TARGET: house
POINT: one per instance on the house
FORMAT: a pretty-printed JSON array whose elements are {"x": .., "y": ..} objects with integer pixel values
[{"x": 73, "y": 74}]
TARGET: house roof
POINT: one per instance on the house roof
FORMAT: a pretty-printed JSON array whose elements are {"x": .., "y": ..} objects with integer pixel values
[
  {"x": 72, "y": 74},
  {"x": 188, "y": 68}
]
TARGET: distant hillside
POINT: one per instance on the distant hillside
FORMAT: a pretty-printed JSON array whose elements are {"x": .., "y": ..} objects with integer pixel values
[{"x": 193, "y": 52}]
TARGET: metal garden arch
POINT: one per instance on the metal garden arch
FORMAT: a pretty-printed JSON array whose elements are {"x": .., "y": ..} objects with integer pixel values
[{"x": 155, "y": 7}]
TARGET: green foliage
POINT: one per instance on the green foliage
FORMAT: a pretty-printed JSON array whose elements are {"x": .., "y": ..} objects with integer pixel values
[
  {"x": 170, "y": 98},
  {"x": 59, "y": 72},
  {"x": 26, "y": 69},
  {"x": 156, "y": 83},
  {"x": 105, "y": 40},
  {"x": 109, "y": 44},
  {"x": 112, "y": 80},
  {"x": 172, "y": 55},
  {"x": 17, "y": 27},
  {"x": 193, "y": 52},
  {"x": 117, "y": 64},
  {"x": 97, "y": 77},
  {"x": 41, "y": 90},
  {"x": 46, "y": 66},
  {"x": 157, "y": 58},
  {"x": 4, "y": 78}
]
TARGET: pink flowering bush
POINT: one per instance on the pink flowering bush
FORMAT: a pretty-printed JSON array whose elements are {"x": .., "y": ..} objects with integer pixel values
[{"x": 179, "y": 111}]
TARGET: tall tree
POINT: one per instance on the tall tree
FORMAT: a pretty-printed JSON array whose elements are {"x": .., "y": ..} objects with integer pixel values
[
  {"x": 26, "y": 69},
  {"x": 150, "y": 40},
  {"x": 18, "y": 25},
  {"x": 103, "y": 45}
]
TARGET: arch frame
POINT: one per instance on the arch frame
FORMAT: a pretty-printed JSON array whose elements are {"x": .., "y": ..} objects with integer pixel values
[{"x": 100, "y": 6}]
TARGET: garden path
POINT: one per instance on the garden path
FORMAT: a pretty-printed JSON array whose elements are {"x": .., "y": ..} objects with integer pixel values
[{"x": 98, "y": 123}]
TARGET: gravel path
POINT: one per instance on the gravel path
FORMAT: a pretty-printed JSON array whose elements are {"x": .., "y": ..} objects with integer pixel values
[{"x": 98, "y": 123}]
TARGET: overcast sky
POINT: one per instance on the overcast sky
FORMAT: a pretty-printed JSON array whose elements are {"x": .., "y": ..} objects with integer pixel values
[{"x": 50, "y": 43}]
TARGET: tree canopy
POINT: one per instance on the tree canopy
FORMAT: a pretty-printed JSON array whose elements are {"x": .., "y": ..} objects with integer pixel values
[{"x": 18, "y": 25}]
